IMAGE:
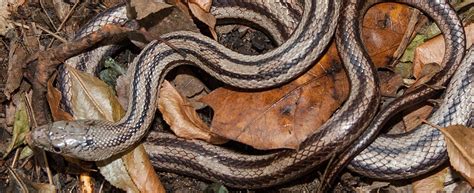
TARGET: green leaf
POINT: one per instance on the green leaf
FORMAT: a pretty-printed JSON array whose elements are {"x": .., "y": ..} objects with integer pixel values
[
  {"x": 410, "y": 51},
  {"x": 26, "y": 152},
  {"x": 21, "y": 127},
  {"x": 216, "y": 188}
]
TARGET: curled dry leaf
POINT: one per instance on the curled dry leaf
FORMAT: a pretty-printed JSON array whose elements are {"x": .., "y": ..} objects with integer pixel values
[
  {"x": 432, "y": 51},
  {"x": 93, "y": 99},
  {"x": 200, "y": 9},
  {"x": 427, "y": 72},
  {"x": 203, "y": 4},
  {"x": 461, "y": 149},
  {"x": 54, "y": 99},
  {"x": 142, "y": 172},
  {"x": 182, "y": 118},
  {"x": 290, "y": 112},
  {"x": 432, "y": 183}
]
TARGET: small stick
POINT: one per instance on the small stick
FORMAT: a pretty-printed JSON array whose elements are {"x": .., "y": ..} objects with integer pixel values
[
  {"x": 68, "y": 16},
  {"x": 430, "y": 124},
  {"x": 15, "y": 158},
  {"x": 41, "y": 28},
  {"x": 47, "y": 15},
  {"x": 48, "y": 171}
]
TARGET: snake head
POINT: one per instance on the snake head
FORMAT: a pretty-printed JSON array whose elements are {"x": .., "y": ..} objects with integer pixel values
[{"x": 62, "y": 137}]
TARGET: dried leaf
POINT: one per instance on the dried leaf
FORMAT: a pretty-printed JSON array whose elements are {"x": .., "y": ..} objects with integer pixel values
[
  {"x": 61, "y": 8},
  {"x": 432, "y": 51},
  {"x": 190, "y": 86},
  {"x": 54, "y": 99},
  {"x": 203, "y": 4},
  {"x": 21, "y": 127},
  {"x": 389, "y": 83},
  {"x": 290, "y": 112},
  {"x": 147, "y": 7},
  {"x": 116, "y": 173},
  {"x": 5, "y": 8},
  {"x": 428, "y": 71},
  {"x": 26, "y": 152},
  {"x": 92, "y": 98},
  {"x": 432, "y": 183},
  {"x": 200, "y": 9},
  {"x": 17, "y": 57},
  {"x": 461, "y": 150},
  {"x": 416, "y": 117},
  {"x": 86, "y": 185},
  {"x": 383, "y": 29},
  {"x": 182, "y": 117},
  {"x": 122, "y": 87},
  {"x": 141, "y": 171}
]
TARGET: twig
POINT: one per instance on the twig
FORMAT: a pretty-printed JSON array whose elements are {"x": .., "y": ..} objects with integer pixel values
[
  {"x": 42, "y": 29},
  {"x": 407, "y": 37},
  {"x": 463, "y": 4},
  {"x": 15, "y": 158},
  {"x": 48, "y": 171},
  {"x": 47, "y": 15},
  {"x": 64, "y": 21},
  {"x": 17, "y": 178},
  {"x": 68, "y": 16},
  {"x": 430, "y": 124},
  {"x": 322, "y": 186}
]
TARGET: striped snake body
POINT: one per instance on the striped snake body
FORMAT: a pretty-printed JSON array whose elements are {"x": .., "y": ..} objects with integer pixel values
[{"x": 97, "y": 140}]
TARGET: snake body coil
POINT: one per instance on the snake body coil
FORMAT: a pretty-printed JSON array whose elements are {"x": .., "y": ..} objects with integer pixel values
[{"x": 98, "y": 140}]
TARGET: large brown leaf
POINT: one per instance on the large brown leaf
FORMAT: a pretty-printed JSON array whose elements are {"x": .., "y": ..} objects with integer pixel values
[{"x": 290, "y": 112}]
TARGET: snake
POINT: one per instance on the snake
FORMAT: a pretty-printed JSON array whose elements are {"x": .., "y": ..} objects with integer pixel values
[{"x": 98, "y": 140}]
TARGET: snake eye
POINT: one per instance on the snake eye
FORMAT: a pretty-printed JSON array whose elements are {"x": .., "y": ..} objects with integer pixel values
[{"x": 56, "y": 149}]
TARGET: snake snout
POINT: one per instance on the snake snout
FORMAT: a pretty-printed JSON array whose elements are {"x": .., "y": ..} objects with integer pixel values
[
  {"x": 58, "y": 137},
  {"x": 40, "y": 137}
]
